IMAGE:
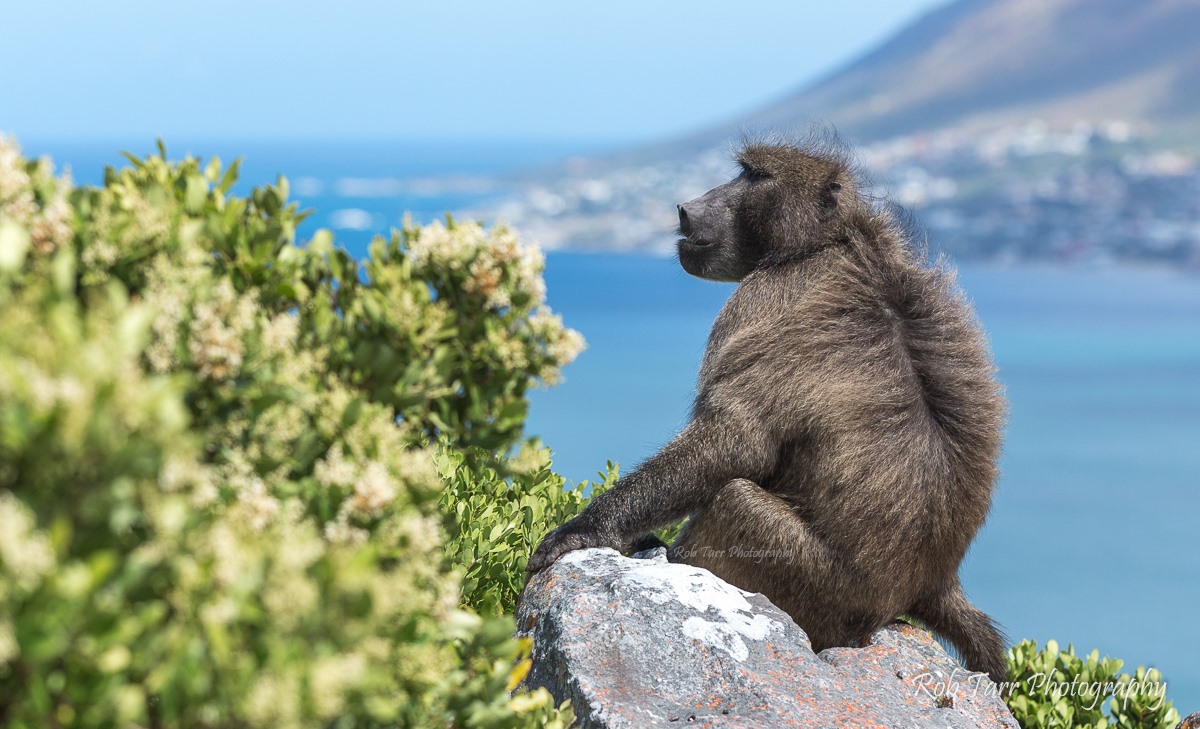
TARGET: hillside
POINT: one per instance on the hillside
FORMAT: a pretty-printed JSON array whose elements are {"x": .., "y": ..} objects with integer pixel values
[
  {"x": 1043, "y": 129},
  {"x": 977, "y": 64}
]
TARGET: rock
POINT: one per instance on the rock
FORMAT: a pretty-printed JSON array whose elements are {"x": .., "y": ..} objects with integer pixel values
[
  {"x": 1191, "y": 721},
  {"x": 639, "y": 642}
]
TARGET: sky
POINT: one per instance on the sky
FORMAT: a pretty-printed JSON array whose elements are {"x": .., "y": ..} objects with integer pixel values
[{"x": 618, "y": 71}]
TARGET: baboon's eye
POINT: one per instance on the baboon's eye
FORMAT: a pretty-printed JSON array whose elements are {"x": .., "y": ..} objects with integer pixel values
[{"x": 755, "y": 175}]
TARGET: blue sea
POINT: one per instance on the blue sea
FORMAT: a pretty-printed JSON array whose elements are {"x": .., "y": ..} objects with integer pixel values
[{"x": 1094, "y": 536}]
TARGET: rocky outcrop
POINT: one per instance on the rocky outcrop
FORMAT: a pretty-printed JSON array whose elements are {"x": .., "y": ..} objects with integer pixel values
[{"x": 640, "y": 642}]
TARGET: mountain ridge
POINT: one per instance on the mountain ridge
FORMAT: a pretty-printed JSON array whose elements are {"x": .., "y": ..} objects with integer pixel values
[
  {"x": 1013, "y": 129},
  {"x": 977, "y": 64}
]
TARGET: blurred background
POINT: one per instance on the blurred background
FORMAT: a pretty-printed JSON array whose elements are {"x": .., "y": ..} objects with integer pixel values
[{"x": 1050, "y": 147}]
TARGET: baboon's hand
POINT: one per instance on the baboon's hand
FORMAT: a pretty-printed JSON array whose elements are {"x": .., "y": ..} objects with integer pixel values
[{"x": 567, "y": 538}]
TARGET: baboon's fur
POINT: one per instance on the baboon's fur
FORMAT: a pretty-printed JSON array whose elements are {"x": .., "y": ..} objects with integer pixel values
[{"x": 842, "y": 449}]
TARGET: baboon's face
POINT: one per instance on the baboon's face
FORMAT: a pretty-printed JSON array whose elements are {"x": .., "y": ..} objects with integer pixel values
[
  {"x": 713, "y": 246},
  {"x": 783, "y": 200}
]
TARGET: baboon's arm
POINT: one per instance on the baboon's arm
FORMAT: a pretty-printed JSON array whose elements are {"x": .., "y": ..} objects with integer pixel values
[{"x": 677, "y": 481}]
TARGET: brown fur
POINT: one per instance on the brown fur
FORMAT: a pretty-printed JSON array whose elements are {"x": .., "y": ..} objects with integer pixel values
[{"x": 842, "y": 449}]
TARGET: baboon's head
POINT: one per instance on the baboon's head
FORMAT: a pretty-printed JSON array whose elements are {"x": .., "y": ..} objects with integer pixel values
[{"x": 786, "y": 201}]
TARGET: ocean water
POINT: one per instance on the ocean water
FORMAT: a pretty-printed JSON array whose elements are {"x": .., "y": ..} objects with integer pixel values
[
  {"x": 1092, "y": 538},
  {"x": 1093, "y": 535}
]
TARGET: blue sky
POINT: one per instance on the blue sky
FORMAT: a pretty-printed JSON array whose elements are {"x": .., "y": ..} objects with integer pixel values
[{"x": 619, "y": 70}]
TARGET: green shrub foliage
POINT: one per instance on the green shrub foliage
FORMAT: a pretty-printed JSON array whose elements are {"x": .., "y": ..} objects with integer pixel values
[
  {"x": 497, "y": 521},
  {"x": 219, "y": 504},
  {"x": 1049, "y": 688}
]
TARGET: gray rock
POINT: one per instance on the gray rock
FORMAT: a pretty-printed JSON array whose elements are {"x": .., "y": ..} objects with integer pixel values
[{"x": 643, "y": 643}]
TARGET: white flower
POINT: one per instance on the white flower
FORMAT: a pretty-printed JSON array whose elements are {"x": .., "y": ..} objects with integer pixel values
[
  {"x": 567, "y": 346},
  {"x": 13, "y": 178},
  {"x": 52, "y": 228},
  {"x": 529, "y": 272},
  {"x": 421, "y": 531},
  {"x": 290, "y": 597},
  {"x": 485, "y": 280},
  {"x": 22, "y": 208},
  {"x": 259, "y": 506},
  {"x": 25, "y": 552},
  {"x": 216, "y": 331},
  {"x": 274, "y": 701},
  {"x": 180, "y": 473},
  {"x": 331, "y": 677},
  {"x": 215, "y": 348},
  {"x": 562, "y": 344},
  {"x": 280, "y": 333},
  {"x": 508, "y": 349},
  {"x": 230, "y": 557},
  {"x": 416, "y": 467},
  {"x": 341, "y": 532},
  {"x": 529, "y": 458},
  {"x": 334, "y": 470},
  {"x": 436, "y": 245},
  {"x": 373, "y": 490}
]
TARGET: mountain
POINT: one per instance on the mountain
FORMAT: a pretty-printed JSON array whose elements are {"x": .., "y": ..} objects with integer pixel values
[
  {"x": 1013, "y": 129},
  {"x": 976, "y": 64}
]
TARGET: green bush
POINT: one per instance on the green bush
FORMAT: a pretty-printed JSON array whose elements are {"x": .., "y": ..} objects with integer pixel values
[
  {"x": 219, "y": 505},
  {"x": 497, "y": 521},
  {"x": 1049, "y": 688}
]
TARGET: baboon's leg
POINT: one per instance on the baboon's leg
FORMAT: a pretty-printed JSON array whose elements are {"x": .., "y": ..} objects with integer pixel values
[
  {"x": 949, "y": 614},
  {"x": 754, "y": 540}
]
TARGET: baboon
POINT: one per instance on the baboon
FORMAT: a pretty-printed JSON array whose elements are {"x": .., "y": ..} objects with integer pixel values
[{"x": 842, "y": 447}]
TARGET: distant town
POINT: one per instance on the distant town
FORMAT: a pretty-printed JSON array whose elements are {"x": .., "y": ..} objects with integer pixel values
[{"x": 1091, "y": 193}]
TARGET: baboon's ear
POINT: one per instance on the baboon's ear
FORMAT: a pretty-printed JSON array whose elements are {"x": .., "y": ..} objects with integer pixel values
[{"x": 829, "y": 199}]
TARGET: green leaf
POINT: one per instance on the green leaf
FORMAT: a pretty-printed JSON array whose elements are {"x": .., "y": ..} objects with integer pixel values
[
  {"x": 195, "y": 193},
  {"x": 230, "y": 177}
]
